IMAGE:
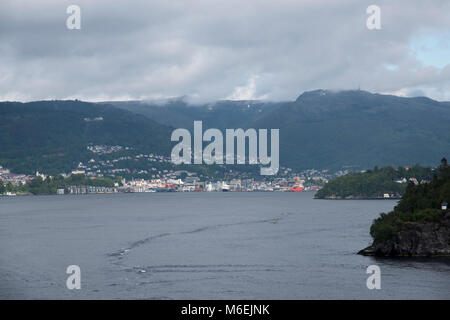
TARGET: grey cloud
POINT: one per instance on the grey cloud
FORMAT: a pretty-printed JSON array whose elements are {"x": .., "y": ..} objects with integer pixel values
[{"x": 215, "y": 49}]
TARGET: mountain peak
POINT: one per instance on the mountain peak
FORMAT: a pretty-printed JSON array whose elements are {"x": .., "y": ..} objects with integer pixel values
[
  {"x": 313, "y": 93},
  {"x": 326, "y": 93}
]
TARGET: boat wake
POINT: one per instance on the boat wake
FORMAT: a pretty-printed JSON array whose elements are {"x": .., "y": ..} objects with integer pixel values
[{"x": 121, "y": 254}]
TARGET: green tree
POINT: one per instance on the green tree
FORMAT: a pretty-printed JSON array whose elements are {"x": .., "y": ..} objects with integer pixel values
[{"x": 419, "y": 203}]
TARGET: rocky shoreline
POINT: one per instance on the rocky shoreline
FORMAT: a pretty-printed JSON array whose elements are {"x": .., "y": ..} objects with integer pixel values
[{"x": 430, "y": 238}]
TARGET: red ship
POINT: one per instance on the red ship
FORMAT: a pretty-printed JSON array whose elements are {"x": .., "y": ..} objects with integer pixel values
[{"x": 298, "y": 186}]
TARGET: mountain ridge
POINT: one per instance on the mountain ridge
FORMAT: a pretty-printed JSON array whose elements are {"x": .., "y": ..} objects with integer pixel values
[
  {"x": 321, "y": 129},
  {"x": 329, "y": 129}
]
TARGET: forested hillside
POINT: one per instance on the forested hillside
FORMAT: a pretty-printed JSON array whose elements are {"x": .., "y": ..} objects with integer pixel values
[
  {"x": 52, "y": 136},
  {"x": 373, "y": 184}
]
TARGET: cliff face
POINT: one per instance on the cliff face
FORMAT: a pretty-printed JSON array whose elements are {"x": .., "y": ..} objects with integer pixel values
[{"x": 416, "y": 239}]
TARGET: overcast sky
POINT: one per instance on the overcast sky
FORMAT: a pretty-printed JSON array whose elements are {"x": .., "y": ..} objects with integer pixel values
[{"x": 215, "y": 49}]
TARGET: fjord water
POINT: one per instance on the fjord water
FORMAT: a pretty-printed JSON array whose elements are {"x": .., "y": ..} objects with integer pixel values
[{"x": 202, "y": 246}]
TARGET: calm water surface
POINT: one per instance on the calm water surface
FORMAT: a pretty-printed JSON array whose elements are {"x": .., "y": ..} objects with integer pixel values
[{"x": 202, "y": 246}]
